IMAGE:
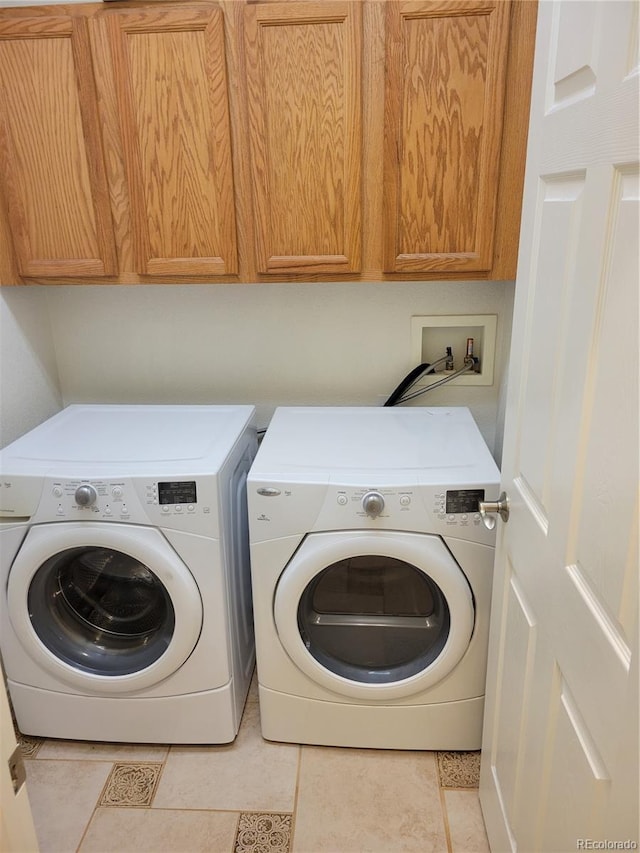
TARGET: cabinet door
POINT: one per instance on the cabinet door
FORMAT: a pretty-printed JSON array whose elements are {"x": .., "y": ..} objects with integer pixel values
[
  {"x": 171, "y": 93},
  {"x": 446, "y": 68},
  {"x": 304, "y": 82},
  {"x": 50, "y": 153}
]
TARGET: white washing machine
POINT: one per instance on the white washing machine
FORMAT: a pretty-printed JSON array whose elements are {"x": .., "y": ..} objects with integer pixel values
[
  {"x": 125, "y": 602},
  {"x": 371, "y": 571}
]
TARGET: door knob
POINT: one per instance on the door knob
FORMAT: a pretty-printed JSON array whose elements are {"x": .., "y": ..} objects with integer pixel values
[{"x": 499, "y": 507}]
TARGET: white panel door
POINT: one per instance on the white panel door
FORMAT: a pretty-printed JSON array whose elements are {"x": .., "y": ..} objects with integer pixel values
[
  {"x": 560, "y": 749},
  {"x": 17, "y": 831}
]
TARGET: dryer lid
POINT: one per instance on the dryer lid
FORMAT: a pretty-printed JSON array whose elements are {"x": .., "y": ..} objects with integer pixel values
[{"x": 438, "y": 445}]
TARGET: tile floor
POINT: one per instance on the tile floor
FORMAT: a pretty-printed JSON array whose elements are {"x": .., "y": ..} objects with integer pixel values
[{"x": 251, "y": 796}]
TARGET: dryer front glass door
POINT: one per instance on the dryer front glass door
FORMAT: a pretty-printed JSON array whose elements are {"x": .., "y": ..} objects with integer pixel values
[
  {"x": 373, "y": 619},
  {"x": 374, "y": 615},
  {"x": 101, "y": 610}
]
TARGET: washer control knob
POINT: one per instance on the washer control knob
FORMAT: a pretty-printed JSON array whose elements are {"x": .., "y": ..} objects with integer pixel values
[
  {"x": 373, "y": 504},
  {"x": 86, "y": 495}
]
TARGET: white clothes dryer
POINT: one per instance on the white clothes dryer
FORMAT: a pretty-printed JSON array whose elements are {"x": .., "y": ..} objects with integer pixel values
[
  {"x": 125, "y": 602},
  {"x": 371, "y": 572}
]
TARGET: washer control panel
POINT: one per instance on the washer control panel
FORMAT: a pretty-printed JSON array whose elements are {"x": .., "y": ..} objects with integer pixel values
[
  {"x": 458, "y": 505},
  {"x": 136, "y": 501},
  {"x": 75, "y": 499},
  {"x": 173, "y": 496},
  {"x": 86, "y": 495}
]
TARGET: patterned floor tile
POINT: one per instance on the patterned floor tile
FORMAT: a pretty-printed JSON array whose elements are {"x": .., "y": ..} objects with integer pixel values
[
  {"x": 263, "y": 833},
  {"x": 131, "y": 785},
  {"x": 459, "y": 769}
]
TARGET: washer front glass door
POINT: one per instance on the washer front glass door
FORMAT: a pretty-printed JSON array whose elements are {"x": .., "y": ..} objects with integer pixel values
[
  {"x": 101, "y": 610},
  {"x": 374, "y": 615},
  {"x": 105, "y": 607}
]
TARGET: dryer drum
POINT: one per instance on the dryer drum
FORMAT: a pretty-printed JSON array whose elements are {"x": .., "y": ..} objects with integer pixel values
[{"x": 373, "y": 619}]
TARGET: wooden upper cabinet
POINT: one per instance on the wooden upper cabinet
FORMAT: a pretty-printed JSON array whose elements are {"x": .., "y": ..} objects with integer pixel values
[
  {"x": 50, "y": 150},
  {"x": 303, "y": 65},
  {"x": 234, "y": 140},
  {"x": 446, "y": 65},
  {"x": 169, "y": 74}
]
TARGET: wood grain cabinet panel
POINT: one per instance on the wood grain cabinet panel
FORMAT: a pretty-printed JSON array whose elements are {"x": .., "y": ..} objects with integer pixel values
[
  {"x": 305, "y": 135},
  {"x": 172, "y": 101},
  {"x": 50, "y": 151},
  {"x": 238, "y": 141},
  {"x": 446, "y": 65}
]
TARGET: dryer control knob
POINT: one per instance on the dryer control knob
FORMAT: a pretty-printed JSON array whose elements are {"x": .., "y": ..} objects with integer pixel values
[
  {"x": 373, "y": 504},
  {"x": 86, "y": 495}
]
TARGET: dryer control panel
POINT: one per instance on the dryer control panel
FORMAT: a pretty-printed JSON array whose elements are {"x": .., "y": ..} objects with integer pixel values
[
  {"x": 454, "y": 505},
  {"x": 280, "y": 509},
  {"x": 453, "y": 512}
]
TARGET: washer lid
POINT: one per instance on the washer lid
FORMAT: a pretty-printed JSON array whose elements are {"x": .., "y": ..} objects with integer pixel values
[
  {"x": 443, "y": 444},
  {"x": 142, "y": 438}
]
